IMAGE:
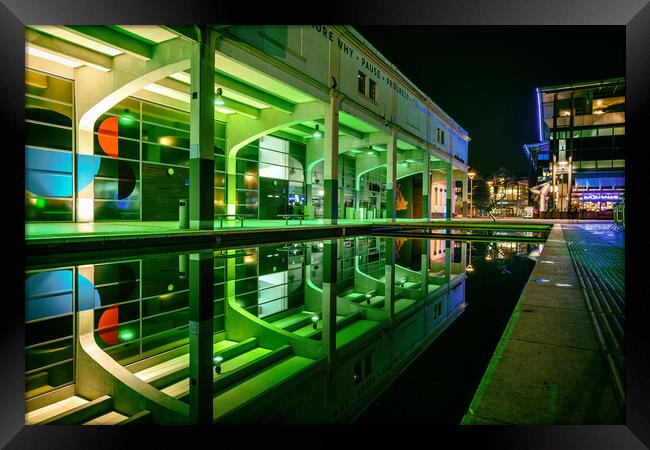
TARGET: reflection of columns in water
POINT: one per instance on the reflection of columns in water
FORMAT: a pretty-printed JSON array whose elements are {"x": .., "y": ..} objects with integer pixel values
[
  {"x": 201, "y": 313},
  {"x": 389, "y": 293},
  {"x": 424, "y": 268},
  {"x": 84, "y": 294},
  {"x": 449, "y": 247},
  {"x": 463, "y": 253},
  {"x": 330, "y": 256},
  {"x": 426, "y": 184}
]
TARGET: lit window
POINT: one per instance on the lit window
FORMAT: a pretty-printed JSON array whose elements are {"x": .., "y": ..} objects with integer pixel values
[{"x": 361, "y": 86}]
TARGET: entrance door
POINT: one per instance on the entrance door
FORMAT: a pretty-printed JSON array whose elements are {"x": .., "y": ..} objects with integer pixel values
[{"x": 274, "y": 197}]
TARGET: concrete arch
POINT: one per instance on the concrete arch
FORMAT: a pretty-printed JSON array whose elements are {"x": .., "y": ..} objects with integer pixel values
[
  {"x": 97, "y": 92},
  {"x": 244, "y": 130}
]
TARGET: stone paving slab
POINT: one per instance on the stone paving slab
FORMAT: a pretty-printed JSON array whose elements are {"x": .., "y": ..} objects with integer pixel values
[
  {"x": 545, "y": 384},
  {"x": 556, "y": 297},
  {"x": 547, "y": 325}
]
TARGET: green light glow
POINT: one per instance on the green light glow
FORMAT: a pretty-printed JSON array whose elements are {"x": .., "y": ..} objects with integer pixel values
[
  {"x": 219, "y": 101},
  {"x": 170, "y": 287},
  {"x": 170, "y": 171},
  {"x": 40, "y": 203},
  {"x": 126, "y": 335},
  {"x": 314, "y": 318},
  {"x": 218, "y": 359},
  {"x": 126, "y": 119}
]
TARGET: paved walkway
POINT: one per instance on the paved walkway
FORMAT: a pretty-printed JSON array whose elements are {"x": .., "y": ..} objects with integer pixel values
[
  {"x": 548, "y": 367},
  {"x": 43, "y": 230}
]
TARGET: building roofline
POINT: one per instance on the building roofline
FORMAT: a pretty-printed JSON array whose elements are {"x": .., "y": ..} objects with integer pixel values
[
  {"x": 606, "y": 82},
  {"x": 412, "y": 85}
]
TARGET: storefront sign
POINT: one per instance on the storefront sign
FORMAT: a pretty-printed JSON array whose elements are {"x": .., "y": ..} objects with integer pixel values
[{"x": 601, "y": 197}]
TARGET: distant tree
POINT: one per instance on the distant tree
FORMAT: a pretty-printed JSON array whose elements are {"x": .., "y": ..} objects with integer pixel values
[{"x": 482, "y": 195}]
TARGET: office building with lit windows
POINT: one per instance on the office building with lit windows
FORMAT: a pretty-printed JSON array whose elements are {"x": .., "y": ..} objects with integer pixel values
[{"x": 578, "y": 165}]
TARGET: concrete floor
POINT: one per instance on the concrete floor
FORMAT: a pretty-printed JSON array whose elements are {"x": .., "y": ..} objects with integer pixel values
[{"x": 547, "y": 368}]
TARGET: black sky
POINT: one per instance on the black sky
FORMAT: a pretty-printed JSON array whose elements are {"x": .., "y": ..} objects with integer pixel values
[{"x": 484, "y": 77}]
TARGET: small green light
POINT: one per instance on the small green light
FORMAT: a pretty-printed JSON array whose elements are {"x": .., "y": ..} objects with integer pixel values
[
  {"x": 126, "y": 119},
  {"x": 170, "y": 171},
  {"x": 126, "y": 335},
  {"x": 275, "y": 182},
  {"x": 274, "y": 268},
  {"x": 170, "y": 287},
  {"x": 40, "y": 203},
  {"x": 218, "y": 359},
  {"x": 314, "y": 318}
]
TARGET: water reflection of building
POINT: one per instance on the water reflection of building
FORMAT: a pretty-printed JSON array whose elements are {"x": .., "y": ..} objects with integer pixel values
[{"x": 305, "y": 332}]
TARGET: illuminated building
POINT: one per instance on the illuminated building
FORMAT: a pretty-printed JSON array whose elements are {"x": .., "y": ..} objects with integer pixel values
[
  {"x": 578, "y": 165},
  {"x": 294, "y": 119}
]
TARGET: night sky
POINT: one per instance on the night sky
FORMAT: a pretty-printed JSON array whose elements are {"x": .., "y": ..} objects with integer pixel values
[{"x": 484, "y": 77}]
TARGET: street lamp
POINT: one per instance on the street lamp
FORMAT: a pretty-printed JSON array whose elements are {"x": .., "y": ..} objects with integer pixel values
[{"x": 471, "y": 176}]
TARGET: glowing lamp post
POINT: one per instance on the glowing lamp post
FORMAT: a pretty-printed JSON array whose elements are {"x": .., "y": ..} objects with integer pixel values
[
  {"x": 471, "y": 176},
  {"x": 217, "y": 367}
]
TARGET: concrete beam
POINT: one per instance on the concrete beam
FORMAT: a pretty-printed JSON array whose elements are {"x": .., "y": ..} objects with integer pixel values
[
  {"x": 68, "y": 50},
  {"x": 120, "y": 41},
  {"x": 346, "y": 130},
  {"x": 302, "y": 129},
  {"x": 226, "y": 82},
  {"x": 241, "y": 108},
  {"x": 187, "y": 32}
]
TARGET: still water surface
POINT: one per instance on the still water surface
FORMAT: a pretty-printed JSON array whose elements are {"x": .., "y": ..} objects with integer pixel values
[{"x": 328, "y": 324}]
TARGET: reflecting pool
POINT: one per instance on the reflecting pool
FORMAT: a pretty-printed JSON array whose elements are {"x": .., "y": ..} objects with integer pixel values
[{"x": 299, "y": 332}]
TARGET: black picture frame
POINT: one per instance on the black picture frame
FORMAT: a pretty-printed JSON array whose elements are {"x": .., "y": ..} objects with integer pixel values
[{"x": 633, "y": 14}]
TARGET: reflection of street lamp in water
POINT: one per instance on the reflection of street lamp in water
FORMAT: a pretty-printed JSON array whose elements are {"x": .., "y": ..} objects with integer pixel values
[{"x": 469, "y": 267}]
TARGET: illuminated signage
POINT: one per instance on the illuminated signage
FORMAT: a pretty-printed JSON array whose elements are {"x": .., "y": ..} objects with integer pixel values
[{"x": 601, "y": 197}]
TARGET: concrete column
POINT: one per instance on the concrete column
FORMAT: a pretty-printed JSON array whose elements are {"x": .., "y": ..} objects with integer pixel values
[
  {"x": 553, "y": 185},
  {"x": 389, "y": 293},
  {"x": 450, "y": 191},
  {"x": 309, "y": 209},
  {"x": 330, "y": 256},
  {"x": 426, "y": 185},
  {"x": 570, "y": 177},
  {"x": 391, "y": 176},
  {"x": 202, "y": 132},
  {"x": 331, "y": 150},
  {"x": 201, "y": 311},
  {"x": 465, "y": 194}
]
